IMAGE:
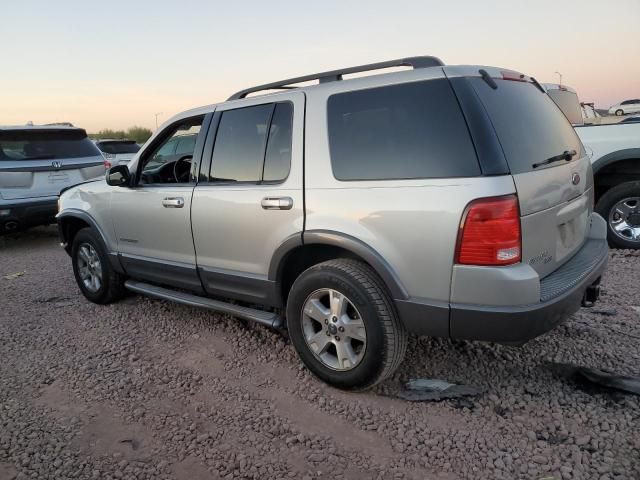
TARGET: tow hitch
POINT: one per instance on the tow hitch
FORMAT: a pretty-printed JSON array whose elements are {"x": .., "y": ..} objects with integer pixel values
[{"x": 591, "y": 294}]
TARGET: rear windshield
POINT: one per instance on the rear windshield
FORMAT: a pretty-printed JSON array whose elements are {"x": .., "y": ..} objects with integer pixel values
[
  {"x": 412, "y": 130},
  {"x": 45, "y": 145},
  {"x": 118, "y": 147},
  {"x": 530, "y": 127}
]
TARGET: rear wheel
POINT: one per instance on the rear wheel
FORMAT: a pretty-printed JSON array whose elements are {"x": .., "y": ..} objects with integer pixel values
[
  {"x": 343, "y": 324},
  {"x": 620, "y": 207},
  {"x": 619, "y": 112},
  {"x": 95, "y": 276}
]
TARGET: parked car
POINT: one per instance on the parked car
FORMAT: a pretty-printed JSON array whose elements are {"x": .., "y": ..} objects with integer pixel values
[
  {"x": 451, "y": 201},
  {"x": 36, "y": 163},
  {"x": 615, "y": 155},
  {"x": 117, "y": 151},
  {"x": 631, "y": 119},
  {"x": 625, "y": 107}
]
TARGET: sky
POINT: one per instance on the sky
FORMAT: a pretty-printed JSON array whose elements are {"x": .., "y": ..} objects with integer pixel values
[{"x": 119, "y": 64}]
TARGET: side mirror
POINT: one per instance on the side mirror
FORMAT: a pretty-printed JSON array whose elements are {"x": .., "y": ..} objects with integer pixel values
[{"x": 118, "y": 176}]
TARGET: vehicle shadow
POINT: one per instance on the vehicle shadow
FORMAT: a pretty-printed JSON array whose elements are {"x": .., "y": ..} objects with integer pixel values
[{"x": 34, "y": 237}]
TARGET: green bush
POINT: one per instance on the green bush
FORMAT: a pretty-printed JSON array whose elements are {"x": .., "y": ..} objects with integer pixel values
[{"x": 139, "y": 134}]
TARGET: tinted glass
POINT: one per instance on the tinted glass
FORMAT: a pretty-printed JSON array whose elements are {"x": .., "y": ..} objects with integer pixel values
[
  {"x": 413, "y": 130},
  {"x": 45, "y": 145},
  {"x": 278, "y": 158},
  {"x": 118, "y": 147},
  {"x": 166, "y": 152},
  {"x": 530, "y": 127},
  {"x": 186, "y": 145},
  {"x": 238, "y": 153}
]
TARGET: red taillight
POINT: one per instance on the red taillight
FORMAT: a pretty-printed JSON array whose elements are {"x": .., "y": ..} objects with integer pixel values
[
  {"x": 107, "y": 164},
  {"x": 490, "y": 232}
]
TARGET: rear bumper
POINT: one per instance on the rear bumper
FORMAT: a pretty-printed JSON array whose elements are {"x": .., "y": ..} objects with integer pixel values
[
  {"x": 561, "y": 294},
  {"x": 18, "y": 214}
]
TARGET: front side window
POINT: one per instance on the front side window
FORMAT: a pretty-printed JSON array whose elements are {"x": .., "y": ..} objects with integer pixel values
[
  {"x": 170, "y": 161},
  {"x": 411, "y": 130},
  {"x": 253, "y": 144}
]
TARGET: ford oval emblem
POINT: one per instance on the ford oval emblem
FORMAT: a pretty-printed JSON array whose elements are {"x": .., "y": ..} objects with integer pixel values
[
  {"x": 56, "y": 164},
  {"x": 575, "y": 178}
]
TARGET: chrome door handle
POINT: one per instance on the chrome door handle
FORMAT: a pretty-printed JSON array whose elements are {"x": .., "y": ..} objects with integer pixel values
[
  {"x": 277, "y": 203},
  {"x": 173, "y": 202}
]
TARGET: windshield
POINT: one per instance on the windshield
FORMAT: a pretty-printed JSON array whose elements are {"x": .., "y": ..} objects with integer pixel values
[
  {"x": 45, "y": 145},
  {"x": 529, "y": 125},
  {"x": 119, "y": 147}
]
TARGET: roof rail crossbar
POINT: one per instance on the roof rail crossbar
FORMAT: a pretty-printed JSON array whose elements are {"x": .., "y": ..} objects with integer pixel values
[{"x": 336, "y": 75}]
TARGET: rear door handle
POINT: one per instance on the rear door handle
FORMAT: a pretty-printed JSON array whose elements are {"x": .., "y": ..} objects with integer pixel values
[
  {"x": 277, "y": 203},
  {"x": 173, "y": 202}
]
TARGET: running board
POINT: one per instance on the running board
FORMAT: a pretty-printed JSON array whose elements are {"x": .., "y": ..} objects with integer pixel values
[{"x": 269, "y": 319}]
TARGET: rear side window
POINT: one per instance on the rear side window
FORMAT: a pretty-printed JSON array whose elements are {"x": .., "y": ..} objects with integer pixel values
[
  {"x": 413, "y": 130},
  {"x": 45, "y": 145},
  {"x": 530, "y": 127},
  {"x": 116, "y": 148},
  {"x": 253, "y": 144}
]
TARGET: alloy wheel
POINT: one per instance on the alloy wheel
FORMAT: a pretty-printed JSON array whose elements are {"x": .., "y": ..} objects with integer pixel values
[
  {"x": 624, "y": 219},
  {"x": 334, "y": 329},
  {"x": 89, "y": 267}
]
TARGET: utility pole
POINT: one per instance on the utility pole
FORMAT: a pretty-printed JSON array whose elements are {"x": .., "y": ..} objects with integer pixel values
[
  {"x": 156, "y": 115},
  {"x": 560, "y": 75}
]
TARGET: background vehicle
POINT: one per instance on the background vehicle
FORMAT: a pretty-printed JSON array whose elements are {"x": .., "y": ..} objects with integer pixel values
[
  {"x": 614, "y": 149},
  {"x": 117, "y": 151},
  {"x": 36, "y": 163},
  {"x": 625, "y": 107},
  {"x": 631, "y": 119},
  {"x": 359, "y": 210}
]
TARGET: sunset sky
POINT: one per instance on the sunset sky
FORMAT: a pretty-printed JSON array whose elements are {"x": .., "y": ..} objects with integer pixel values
[{"x": 117, "y": 65}]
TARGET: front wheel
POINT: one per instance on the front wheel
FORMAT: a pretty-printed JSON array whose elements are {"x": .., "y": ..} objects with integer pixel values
[
  {"x": 95, "y": 276},
  {"x": 619, "y": 112},
  {"x": 344, "y": 326},
  {"x": 620, "y": 207}
]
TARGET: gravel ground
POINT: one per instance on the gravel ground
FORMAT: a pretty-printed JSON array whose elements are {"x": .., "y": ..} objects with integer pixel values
[{"x": 148, "y": 389}]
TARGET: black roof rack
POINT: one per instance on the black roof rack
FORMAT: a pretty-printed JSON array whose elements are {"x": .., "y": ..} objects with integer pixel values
[{"x": 335, "y": 75}]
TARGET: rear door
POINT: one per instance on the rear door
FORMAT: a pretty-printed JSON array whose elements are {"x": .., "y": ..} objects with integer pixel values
[
  {"x": 250, "y": 199},
  {"x": 556, "y": 198},
  {"x": 40, "y": 162}
]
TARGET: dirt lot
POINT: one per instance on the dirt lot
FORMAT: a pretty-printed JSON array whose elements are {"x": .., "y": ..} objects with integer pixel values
[{"x": 148, "y": 389}]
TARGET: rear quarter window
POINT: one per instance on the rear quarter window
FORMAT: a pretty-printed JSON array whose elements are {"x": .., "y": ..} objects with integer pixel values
[
  {"x": 412, "y": 130},
  {"x": 529, "y": 125}
]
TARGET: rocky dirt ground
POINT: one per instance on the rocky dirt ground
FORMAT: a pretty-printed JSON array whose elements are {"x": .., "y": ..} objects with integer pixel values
[{"x": 148, "y": 389}]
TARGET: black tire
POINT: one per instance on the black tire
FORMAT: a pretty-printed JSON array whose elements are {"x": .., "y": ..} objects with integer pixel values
[
  {"x": 619, "y": 112},
  {"x": 112, "y": 285},
  {"x": 607, "y": 202},
  {"x": 386, "y": 338}
]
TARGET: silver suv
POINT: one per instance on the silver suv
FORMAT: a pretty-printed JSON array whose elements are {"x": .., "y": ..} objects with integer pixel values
[
  {"x": 36, "y": 164},
  {"x": 451, "y": 201}
]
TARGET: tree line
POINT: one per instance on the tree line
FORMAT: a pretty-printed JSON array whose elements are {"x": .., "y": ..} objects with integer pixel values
[{"x": 139, "y": 134}]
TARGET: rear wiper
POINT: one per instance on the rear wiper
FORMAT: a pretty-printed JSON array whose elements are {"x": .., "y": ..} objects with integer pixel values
[{"x": 567, "y": 155}]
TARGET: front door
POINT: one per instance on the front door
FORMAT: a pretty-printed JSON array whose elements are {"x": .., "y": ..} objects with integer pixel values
[
  {"x": 250, "y": 199},
  {"x": 152, "y": 218}
]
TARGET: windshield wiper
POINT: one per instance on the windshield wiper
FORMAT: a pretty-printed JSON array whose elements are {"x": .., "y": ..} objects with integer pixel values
[{"x": 567, "y": 155}]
